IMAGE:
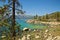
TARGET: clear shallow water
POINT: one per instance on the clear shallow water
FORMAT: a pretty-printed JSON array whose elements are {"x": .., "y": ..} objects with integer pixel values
[{"x": 24, "y": 24}]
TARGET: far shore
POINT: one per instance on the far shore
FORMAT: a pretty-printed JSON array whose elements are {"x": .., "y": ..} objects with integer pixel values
[{"x": 39, "y": 22}]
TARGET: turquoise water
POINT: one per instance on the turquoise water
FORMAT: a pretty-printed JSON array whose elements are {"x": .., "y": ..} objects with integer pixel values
[{"x": 24, "y": 24}]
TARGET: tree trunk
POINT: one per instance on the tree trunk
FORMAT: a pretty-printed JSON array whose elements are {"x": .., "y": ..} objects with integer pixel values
[{"x": 13, "y": 21}]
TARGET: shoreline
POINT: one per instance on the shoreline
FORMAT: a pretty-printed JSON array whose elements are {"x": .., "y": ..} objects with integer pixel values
[{"x": 41, "y": 22}]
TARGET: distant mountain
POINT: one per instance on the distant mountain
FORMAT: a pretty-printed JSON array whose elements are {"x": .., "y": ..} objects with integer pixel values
[{"x": 24, "y": 16}]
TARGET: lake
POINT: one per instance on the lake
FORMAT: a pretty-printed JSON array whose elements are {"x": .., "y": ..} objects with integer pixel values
[{"x": 24, "y": 24}]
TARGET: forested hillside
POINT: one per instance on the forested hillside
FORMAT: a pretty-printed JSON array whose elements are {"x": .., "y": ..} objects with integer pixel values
[{"x": 55, "y": 16}]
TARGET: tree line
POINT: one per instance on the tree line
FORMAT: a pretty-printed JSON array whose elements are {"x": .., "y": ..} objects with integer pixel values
[{"x": 55, "y": 16}]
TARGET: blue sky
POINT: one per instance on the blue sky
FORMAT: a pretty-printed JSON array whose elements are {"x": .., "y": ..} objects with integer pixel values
[{"x": 40, "y": 7}]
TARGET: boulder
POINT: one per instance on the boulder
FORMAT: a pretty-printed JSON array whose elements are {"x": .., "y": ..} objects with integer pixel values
[
  {"x": 24, "y": 38},
  {"x": 28, "y": 36},
  {"x": 3, "y": 36},
  {"x": 26, "y": 29},
  {"x": 46, "y": 30}
]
